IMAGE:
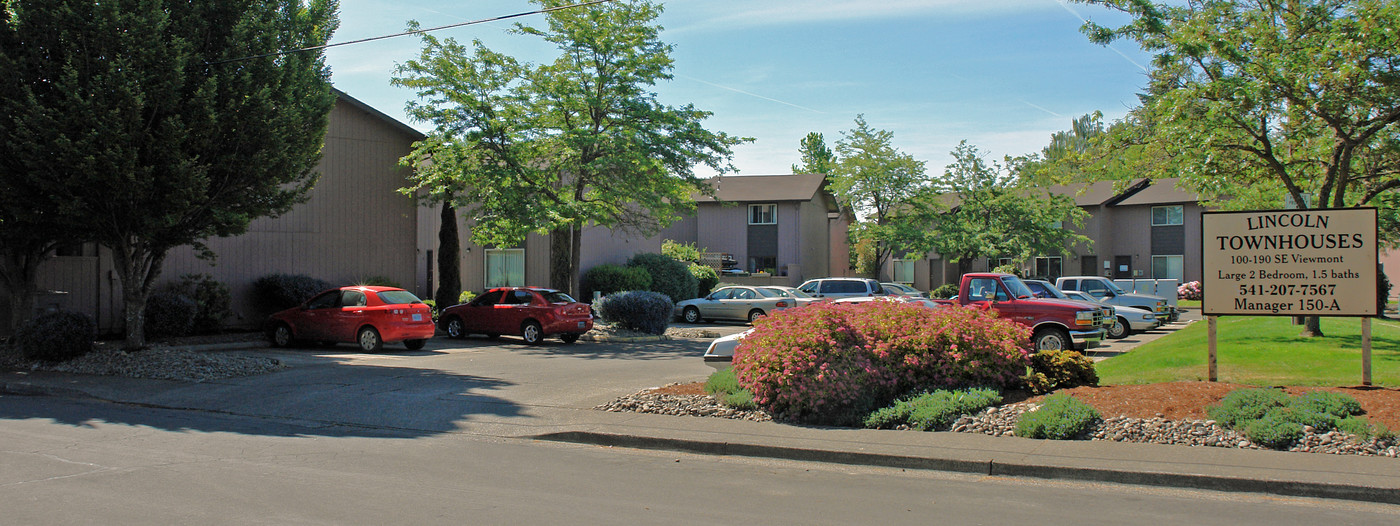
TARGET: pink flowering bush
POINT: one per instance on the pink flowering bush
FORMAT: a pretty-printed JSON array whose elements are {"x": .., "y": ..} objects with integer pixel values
[
  {"x": 1189, "y": 291},
  {"x": 833, "y": 363}
]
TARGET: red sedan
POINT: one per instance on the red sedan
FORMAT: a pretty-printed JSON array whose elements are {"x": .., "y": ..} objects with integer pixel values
[
  {"x": 369, "y": 316},
  {"x": 533, "y": 313}
]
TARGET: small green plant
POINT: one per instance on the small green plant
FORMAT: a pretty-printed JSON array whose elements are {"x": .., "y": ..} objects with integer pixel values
[
  {"x": 1270, "y": 418},
  {"x": 934, "y": 410},
  {"x": 1059, "y": 417},
  {"x": 466, "y": 296},
  {"x": 1276, "y": 429},
  {"x": 1244, "y": 405},
  {"x": 1059, "y": 369},
  {"x": 724, "y": 386}
]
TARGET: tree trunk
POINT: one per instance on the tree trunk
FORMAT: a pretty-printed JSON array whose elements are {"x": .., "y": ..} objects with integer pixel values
[
  {"x": 20, "y": 272},
  {"x": 576, "y": 247},
  {"x": 560, "y": 259},
  {"x": 139, "y": 268},
  {"x": 449, "y": 258},
  {"x": 1312, "y": 327}
]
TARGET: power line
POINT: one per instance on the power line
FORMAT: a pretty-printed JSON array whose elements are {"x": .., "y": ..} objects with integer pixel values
[{"x": 414, "y": 32}]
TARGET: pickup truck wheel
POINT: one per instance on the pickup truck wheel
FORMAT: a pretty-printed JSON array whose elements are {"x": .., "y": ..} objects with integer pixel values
[
  {"x": 1120, "y": 330},
  {"x": 1052, "y": 340}
]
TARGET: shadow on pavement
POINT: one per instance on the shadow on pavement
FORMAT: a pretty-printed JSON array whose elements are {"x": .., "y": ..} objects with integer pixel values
[{"x": 336, "y": 400}]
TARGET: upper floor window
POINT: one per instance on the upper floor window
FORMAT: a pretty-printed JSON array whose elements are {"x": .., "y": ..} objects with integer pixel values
[
  {"x": 1166, "y": 215},
  {"x": 763, "y": 214}
]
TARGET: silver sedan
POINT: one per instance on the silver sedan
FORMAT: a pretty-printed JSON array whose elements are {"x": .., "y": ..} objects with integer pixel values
[{"x": 733, "y": 303}]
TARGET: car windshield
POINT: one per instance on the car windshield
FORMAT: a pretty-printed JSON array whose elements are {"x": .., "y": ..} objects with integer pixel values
[
  {"x": 1054, "y": 292},
  {"x": 1017, "y": 288},
  {"x": 398, "y": 297},
  {"x": 1114, "y": 287},
  {"x": 558, "y": 297}
]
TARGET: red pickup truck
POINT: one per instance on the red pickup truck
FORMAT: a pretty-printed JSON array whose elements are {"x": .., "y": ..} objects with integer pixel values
[{"x": 1055, "y": 324}]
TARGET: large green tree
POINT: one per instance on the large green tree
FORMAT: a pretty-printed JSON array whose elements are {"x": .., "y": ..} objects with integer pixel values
[
  {"x": 887, "y": 189},
  {"x": 159, "y": 123},
  {"x": 553, "y": 148},
  {"x": 990, "y": 212},
  {"x": 1265, "y": 99}
]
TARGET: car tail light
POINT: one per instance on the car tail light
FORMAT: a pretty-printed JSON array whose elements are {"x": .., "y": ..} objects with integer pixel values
[{"x": 782, "y": 304}]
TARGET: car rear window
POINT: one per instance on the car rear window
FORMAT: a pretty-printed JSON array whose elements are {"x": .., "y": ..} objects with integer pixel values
[
  {"x": 398, "y": 297},
  {"x": 845, "y": 287},
  {"x": 558, "y": 297}
]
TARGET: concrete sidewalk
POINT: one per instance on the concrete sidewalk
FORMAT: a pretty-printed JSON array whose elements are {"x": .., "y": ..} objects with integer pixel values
[{"x": 315, "y": 392}]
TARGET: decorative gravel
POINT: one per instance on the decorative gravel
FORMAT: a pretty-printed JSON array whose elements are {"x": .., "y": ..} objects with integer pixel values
[
  {"x": 1001, "y": 421},
  {"x": 156, "y": 362}
]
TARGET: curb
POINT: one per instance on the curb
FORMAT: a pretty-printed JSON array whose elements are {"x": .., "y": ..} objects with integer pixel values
[
  {"x": 28, "y": 389},
  {"x": 989, "y": 467}
]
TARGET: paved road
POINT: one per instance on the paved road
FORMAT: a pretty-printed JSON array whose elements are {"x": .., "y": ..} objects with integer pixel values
[{"x": 74, "y": 462}]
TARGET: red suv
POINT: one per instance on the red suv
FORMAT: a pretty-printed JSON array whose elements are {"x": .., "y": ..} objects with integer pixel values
[
  {"x": 533, "y": 313},
  {"x": 368, "y": 316}
]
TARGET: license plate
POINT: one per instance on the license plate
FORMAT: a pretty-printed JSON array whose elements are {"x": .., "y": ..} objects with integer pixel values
[
  {"x": 417, "y": 317},
  {"x": 580, "y": 325}
]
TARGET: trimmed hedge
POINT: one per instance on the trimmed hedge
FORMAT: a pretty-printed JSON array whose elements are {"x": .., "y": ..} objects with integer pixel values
[
  {"x": 55, "y": 336},
  {"x": 1060, "y": 369},
  {"x": 668, "y": 276},
  {"x": 609, "y": 278},
  {"x": 636, "y": 310}
]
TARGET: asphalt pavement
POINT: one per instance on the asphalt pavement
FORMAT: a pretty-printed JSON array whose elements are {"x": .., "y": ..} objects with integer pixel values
[{"x": 510, "y": 390}]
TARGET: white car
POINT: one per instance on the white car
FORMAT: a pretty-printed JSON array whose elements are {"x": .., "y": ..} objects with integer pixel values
[
  {"x": 1130, "y": 319},
  {"x": 722, "y": 349}
]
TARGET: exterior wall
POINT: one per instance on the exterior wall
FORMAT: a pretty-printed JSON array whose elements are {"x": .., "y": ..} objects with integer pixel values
[
  {"x": 355, "y": 225},
  {"x": 721, "y": 228}
]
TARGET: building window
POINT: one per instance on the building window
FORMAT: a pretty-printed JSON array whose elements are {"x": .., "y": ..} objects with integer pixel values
[
  {"x": 1049, "y": 267},
  {"x": 767, "y": 264},
  {"x": 763, "y": 214},
  {"x": 505, "y": 267},
  {"x": 1166, "y": 215},
  {"x": 902, "y": 270},
  {"x": 1167, "y": 267},
  {"x": 993, "y": 263}
]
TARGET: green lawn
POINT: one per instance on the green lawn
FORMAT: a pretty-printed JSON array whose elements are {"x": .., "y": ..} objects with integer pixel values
[{"x": 1263, "y": 350}]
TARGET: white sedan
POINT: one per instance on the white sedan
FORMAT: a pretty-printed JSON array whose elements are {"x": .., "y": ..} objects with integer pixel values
[{"x": 722, "y": 349}]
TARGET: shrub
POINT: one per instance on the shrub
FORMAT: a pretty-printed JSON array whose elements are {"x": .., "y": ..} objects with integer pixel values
[
  {"x": 1244, "y": 405},
  {"x": 944, "y": 291},
  {"x": 935, "y": 410},
  {"x": 169, "y": 313},
  {"x": 725, "y": 387},
  {"x": 668, "y": 276},
  {"x": 1060, "y": 369},
  {"x": 741, "y": 399},
  {"x": 636, "y": 310},
  {"x": 1010, "y": 268},
  {"x": 276, "y": 292},
  {"x": 466, "y": 296},
  {"x": 1276, "y": 429},
  {"x": 833, "y": 363},
  {"x": 55, "y": 336},
  {"x": 1059, "y": 417},
  {"x": 706, "y": 279},
  {"x": 212, "y": 298},
  {"x": 1189, "y": 291},
  {"x": 681, "y": 251},
  {"x": 609, "y": 278},
  {"x": 1335, "y": 404}
]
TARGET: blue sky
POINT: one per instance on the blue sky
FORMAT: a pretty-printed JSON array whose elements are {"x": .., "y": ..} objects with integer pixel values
[{"x": 1001, "y": 74}]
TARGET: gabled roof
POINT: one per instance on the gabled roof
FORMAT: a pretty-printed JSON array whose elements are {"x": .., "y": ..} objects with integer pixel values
[
  {"x": 406, "y": 129},
  {"x": 764, "y": 188},
  {"x": 1161, "y": 191}
]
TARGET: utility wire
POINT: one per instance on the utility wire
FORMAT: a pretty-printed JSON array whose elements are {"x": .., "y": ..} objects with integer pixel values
[{"x": 414, "y": 32}]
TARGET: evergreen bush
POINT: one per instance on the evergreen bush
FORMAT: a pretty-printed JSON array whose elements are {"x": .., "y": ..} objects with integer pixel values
[
  {"x": 277, "y": 292},
  {"x": 1059, "y": 417},
  {"x": 1244, "y": 405},
  {"x": 55, "y": 336},
  {"x": 636, "y": 310},
  {"x": 706, "y": 278},
  {"x": 169, "y": 313},
  {"x": 213, "y": 299},
  {"x": 608, "y": 278},
  {"x": 1060, "y": 369},
  {"x": 668, "y": 276},
  {"x": 944, "y": 291}
]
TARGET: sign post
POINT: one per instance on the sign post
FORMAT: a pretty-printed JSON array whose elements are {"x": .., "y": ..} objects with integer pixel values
[{"x": 1319, "y": 262}]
